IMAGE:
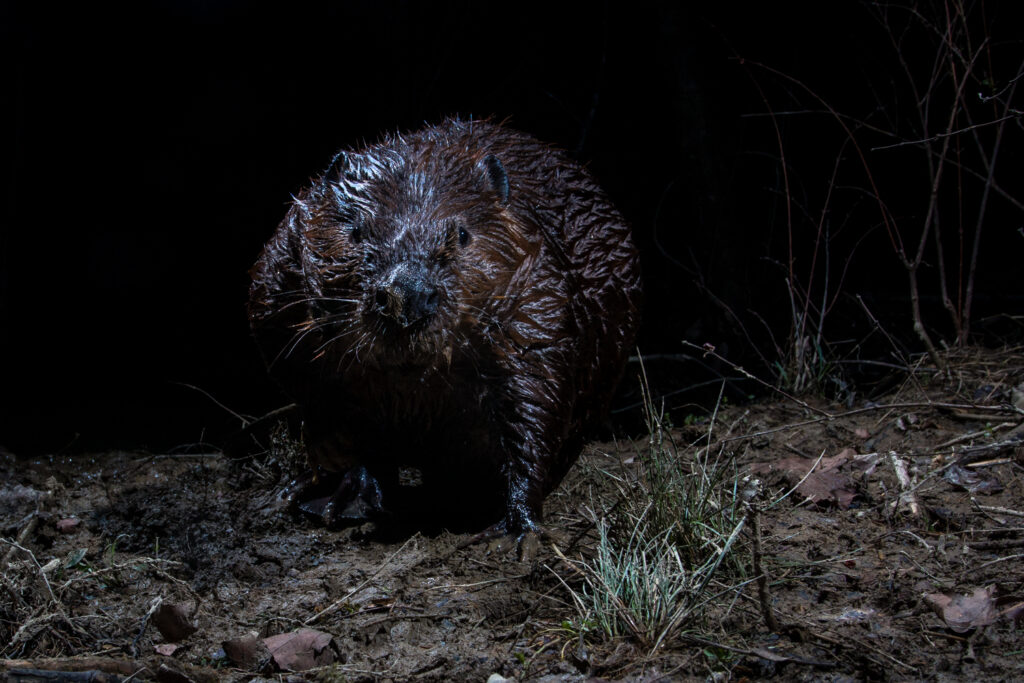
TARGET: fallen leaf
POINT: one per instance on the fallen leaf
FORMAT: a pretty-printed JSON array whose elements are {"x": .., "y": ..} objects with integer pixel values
[
  {"x": 971, "y": 481},
  {"x": 174, "y": 621},
  {"x": 866, "y": 463},
  {"x": 74, "y": 557},
  {"x": 248, "y": 651},
  {"x": 964, "y": 612},
  {"x": 825, "y": 485},
  {"x": 301, "y": 650},
  {"x": 843, "y": 497}
]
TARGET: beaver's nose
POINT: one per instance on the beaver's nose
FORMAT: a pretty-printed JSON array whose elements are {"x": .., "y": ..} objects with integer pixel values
[{"x": 407, "y": 295}]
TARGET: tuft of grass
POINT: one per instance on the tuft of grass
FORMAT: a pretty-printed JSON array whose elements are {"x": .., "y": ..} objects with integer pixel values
[
  {"x": 659, "y": 548},
  {"x": 689, "y": 495}
]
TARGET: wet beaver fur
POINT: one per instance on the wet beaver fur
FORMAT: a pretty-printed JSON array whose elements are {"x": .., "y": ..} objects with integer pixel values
[{"x": 460, "y": 300}]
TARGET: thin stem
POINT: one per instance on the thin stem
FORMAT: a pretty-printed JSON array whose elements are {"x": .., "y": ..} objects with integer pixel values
[{"x": 996, "y": 145}]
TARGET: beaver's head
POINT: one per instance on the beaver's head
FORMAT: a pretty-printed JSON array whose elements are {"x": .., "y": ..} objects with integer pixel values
[{"x": 409, "y": 251}]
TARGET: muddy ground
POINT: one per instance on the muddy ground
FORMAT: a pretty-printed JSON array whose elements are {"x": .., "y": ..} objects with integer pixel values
[{"x": 901, "y": 557}]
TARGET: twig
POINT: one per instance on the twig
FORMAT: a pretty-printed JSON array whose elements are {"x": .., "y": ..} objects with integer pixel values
[
  {"x": 802, "y": 480},
  {"x": 990, "y": 463},
  {"x": 763, "y": 592},
  {"x": 477, "y": 584},
  {"x": 996, "y": 509},
  {"x": 892, "y": 342},
  {"x": 995, "y": 545},
  {"x": 919, "y": 540},
  {"x": 867, "y": 409},
  {"x": 23, "y": 535},
  {"x": 997, "y": 144},
  {"x": 31, "y": 623},
  {"x": 972, "y": 435},
  {"x": 80, "y": 664},
  {"x": 997, "y": 561},
  {"x": 338, "y": 603},
  {"x": 241, "y": 418},
  {"x": 975, "y": 417},
  {"x": 969, "y": 453},
  {"x": 130, "y": 564},
  {"x": 42, "y": 574},
  {"x": 907, "y": 495},
  {"x": 154, "y": 606},
  {"x": 709, "y": 350},
  {"x": 102, "y": 669},
  {"x": 939, "y": 136},
  {"x": 32, "y": 675},
  {"x": 234, "y": 445}
]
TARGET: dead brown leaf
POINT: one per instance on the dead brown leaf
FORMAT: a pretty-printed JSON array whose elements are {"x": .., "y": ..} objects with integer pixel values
[
  {"x": 827, "y": 484},
  {"x": 964, "y": 612},
  {"x": 174, "y": 621},
  {"x": 303, "y": 649},
  {"x": 68, "y": 524},
  {"x": 971, "y": 481},
  {"x": 248, "y": 651}
]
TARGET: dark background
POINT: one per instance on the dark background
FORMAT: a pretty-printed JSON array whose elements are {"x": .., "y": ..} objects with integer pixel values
[{"x": 151, "y": 149}]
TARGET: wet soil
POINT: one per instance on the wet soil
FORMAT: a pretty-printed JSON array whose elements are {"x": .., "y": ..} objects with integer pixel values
[{"x": 899, "y": 557}]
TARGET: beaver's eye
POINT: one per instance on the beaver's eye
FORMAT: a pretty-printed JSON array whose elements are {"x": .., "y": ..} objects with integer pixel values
[
  {"x": 463, "y": 237},
  {"x": 357, "y": 233}
]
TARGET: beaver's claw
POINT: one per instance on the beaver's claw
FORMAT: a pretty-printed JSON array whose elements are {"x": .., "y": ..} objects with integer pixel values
[
  {"x": 500, "y": 541},
  {"x": 336, "y": 499}
]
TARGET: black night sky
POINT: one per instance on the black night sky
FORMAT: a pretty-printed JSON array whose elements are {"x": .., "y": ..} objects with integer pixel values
[{"x": 152, "y": 147}]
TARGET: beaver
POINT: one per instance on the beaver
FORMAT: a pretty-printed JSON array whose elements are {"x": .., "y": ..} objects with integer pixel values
[{"x": 460, "y": 300}]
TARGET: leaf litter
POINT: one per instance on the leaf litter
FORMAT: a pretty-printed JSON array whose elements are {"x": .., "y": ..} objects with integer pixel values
[{"x": 891, "y": 548}]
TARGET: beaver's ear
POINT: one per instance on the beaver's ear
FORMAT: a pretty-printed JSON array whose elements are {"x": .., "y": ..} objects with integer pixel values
[
  {"x": 497, "y": 179},
  {"x": 352, "y": 167},
  {"x": 337, "y": 168}
]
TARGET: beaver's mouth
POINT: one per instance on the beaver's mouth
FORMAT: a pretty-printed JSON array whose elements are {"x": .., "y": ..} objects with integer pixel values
[
  {"x": 423, "y": 342},
  {"x": 404, "y": 333}
]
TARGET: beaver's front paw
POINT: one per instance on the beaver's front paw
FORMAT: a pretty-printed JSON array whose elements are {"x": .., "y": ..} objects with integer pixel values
[{"x": 336, "y": 499}]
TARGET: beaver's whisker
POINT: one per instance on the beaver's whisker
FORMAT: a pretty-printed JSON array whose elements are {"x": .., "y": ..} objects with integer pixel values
[
  {"x": 305, "y": 328},
  {"x": 337, "y": 337},
  {"x": 357, "y": 347},
  {"x": 318, "y": 299}
]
